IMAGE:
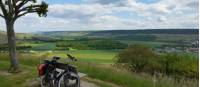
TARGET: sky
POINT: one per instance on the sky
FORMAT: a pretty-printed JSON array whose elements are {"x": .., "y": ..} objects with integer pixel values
[{"x": 80, "y": 15}]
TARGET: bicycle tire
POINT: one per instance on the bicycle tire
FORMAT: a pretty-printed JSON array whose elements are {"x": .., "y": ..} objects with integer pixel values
[
  {"x": 45, "y": 83},
  {"x": 67, "y": 78}
]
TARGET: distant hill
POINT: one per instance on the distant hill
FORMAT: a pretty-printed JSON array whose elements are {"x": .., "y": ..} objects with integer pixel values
[
  {"x": 130, "y": 35},
  {"x": 146, "y": 31},
  {"x": 150, "y": 31},
  {"x": 21, "y": 36},
  {"x": 3, "y": 37},
  {"x": 136, "y": 35}
]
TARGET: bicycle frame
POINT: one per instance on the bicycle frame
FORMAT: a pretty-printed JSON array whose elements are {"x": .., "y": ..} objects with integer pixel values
[{"x": 54, "y": 70}]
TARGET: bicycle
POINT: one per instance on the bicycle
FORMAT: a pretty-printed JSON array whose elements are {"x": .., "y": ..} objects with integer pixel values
[{"x": 55, "y": 74}]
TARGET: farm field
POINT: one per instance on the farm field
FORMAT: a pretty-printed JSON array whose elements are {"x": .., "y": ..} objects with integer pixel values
[
  {"x": 96, "y": 53},
  {"x": 95, "y": 56},
  {"x": 39, "y": 46}
]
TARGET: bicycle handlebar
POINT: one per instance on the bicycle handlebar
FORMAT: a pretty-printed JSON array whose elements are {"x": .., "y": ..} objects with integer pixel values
[
  {"x": 55, "y": 58},
  {"x": 71, "y": 57}
]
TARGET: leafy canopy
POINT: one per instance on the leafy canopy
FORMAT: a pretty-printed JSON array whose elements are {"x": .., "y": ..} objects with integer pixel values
[{"x": 13, "y": 9}]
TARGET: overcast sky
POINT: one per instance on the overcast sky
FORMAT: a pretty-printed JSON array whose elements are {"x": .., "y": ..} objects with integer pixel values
[{"x": 68, "y": 15}]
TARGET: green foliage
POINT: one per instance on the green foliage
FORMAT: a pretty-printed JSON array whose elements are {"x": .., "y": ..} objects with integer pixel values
[
  {"x": 136, "y": 56},
  {"x": 28, "y": 64},
  {"x": 61, "y": 48},
  {"x": 143, "y": 59},
  {"x": 42, "y": 11},
  {"x": 96, "y": 44},
  {"x": 124, "y": 78},
  {"x": 136, "y": 37},
  {"x": 180, "y": 65},
  {"x": 4, "y": 47},
  {"x": 102, "y": 72}
]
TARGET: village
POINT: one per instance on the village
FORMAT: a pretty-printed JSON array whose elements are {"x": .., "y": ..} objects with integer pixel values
[{"x": 185, "y": 46}]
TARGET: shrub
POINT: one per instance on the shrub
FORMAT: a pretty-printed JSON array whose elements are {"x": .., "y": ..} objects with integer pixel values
[
  {"x": 136, "y": 56},
  {"x": 140, "y": 58}
]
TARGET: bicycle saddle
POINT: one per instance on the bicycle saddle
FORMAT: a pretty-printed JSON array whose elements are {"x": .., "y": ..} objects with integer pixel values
[{"x": 56, "y": 58}]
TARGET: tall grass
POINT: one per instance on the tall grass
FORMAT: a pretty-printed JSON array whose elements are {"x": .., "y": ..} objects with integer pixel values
[
  {"x": 29, "y": 62},
  {"x": 127, "y": 79},
  {"x": 28, "y": 65}
]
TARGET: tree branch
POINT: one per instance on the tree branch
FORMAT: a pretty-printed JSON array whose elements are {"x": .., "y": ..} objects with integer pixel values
[
  {"x": 3, "y": 8},
  {"x": 26, "y": 13},
  {"x": 1, "y": 15},
  {"x": 14, "y": 3},
  {"x": 28, "y": 7},
  {"x": 18, "y": 6},
  {"x": 23, "y": 2},
  {"x": 22, "y": 14},
  {"x": 21, "y": 9}
]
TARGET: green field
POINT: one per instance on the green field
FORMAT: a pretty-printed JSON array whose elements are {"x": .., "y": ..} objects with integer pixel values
[
  {"x": 100, "y": 71},
  {"x": 39, "y": 46},
  {"x": 94, "y": 56}
]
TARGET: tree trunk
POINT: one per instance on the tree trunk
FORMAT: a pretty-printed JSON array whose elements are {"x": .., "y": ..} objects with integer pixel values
[{"x": 14, "y": 65}]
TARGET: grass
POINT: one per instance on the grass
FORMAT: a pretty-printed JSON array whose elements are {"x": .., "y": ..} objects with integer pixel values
[
  {"x": 17, "y": 80},
  {"x": 95, "y": 56},
  {"x": 127, "y": 79},
  {"x": 101, "y": 71},
  {"x": 40, "y": 46},
  {"x": 20, "y": 79},
  {"x": 28, "y": 63}
]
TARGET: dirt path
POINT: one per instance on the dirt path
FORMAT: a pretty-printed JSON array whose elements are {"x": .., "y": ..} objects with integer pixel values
[
  {"x": 35, "y": 83},
  {"x": 88, "y": 84},
  {"x": 84, "y": 83},
  {"x": 107, "y": 84}
]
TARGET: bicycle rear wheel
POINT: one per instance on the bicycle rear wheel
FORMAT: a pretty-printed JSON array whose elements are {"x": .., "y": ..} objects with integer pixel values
[{"x": 45, "y": 82}]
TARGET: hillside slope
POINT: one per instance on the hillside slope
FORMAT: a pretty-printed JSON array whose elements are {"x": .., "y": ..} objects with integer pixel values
[
  {"x": 3, "y": 37},
  {"x": 19, "y": 36},
  {"x": 133, "y": 35}
]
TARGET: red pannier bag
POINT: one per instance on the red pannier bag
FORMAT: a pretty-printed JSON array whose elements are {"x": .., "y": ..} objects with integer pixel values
[{"x": 41, "y": 69}]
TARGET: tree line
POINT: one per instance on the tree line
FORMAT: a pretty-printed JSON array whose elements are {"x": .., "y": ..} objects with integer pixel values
[
  {"x": 4, "y": 47},
  {"x": 98, "y": 44}
]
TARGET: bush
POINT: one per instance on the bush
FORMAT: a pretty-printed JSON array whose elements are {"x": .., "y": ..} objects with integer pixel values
[
  {"x": 139, "y": 58},
  {"x": 180, "y": 65},
  {"x": 5, "y": 47},
  {"x": 61, "y": 48}
]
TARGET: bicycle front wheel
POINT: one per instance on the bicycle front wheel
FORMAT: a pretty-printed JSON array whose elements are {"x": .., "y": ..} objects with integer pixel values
[{"x": 69, "y": 80}]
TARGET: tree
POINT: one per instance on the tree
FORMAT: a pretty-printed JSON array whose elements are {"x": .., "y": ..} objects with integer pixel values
[
  {"x": 136, "y": 56},
  {"x": 10, "y": 11}
]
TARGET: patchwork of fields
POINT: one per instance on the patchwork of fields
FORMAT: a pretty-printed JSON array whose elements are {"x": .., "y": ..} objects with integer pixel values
[{"x": 97, "y": 63}]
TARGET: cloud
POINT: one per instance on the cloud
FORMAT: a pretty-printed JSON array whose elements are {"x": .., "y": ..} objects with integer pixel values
[
  {"x": 160, "y": 8},
  {"x": 114, "y": 14},
  {"x": 77, "y": 11},
  {"x": 104, "y": 2},
  {"x": 162, "y": 19}
]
